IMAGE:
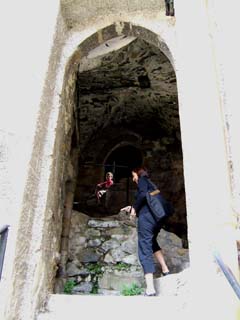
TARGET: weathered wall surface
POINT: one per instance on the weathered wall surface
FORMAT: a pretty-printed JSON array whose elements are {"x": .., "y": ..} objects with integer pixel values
[
  {"x": 206, "y": 169},
  {"x": 222, "y": 31},
  {"x": 20, "y": 100},
  {"x": 81, "y": 13}
]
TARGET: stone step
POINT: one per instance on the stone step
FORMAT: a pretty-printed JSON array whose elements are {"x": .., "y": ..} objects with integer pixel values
[
  {"x": 62, "y": 307},
  {"x": 170, "y": 302}
]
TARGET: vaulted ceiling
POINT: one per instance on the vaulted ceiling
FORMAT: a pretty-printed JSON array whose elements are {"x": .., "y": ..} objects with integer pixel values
[{"x": 131, "y": 88}]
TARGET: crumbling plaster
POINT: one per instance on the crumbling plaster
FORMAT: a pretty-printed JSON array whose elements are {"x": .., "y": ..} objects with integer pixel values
[{"x": 77, "y": 13}]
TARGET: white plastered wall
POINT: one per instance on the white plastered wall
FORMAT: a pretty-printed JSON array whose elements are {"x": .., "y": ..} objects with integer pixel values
[
  {"x": 211, "y": 220},
  {"x": 226, "y": 52},
  {"x": 26, "y": 30}
]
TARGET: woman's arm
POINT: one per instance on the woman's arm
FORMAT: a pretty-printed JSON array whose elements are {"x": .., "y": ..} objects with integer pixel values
[{"x": 141, "y": 194}]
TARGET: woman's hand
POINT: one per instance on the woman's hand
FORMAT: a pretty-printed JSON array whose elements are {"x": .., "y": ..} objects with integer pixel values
[
  {"x": 131, "y": 211},
  {"x": 127, "y": 208},
  {"x": 132, "y": 214}
]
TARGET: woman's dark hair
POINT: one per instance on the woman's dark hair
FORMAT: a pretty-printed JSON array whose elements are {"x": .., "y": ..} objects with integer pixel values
[{"x": 137, "y": 169}]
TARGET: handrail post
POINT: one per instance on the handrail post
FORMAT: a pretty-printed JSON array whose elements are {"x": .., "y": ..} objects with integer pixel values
[
  {"x": 228, "y": 274},
  {"x": 3, "y": 244}
]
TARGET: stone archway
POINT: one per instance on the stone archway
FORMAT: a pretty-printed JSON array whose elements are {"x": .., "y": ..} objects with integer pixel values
[
  {"x": 128, "y": 86},
  {"x": 121, "y": 160},
  {"x": 122, "y": 95},
  {"x": 61, "y": 154}
]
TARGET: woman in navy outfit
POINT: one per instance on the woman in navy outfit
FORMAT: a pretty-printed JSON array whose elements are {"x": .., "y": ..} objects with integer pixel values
[{"x": 148, "y": 230}]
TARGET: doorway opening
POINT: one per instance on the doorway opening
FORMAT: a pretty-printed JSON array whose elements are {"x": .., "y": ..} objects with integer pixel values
[
  {"x": 122, "y": 160},
  {"x": 126, "y": 115}
]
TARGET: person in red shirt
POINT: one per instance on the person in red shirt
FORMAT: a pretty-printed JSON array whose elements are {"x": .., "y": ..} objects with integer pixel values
[{"x": 102, "y": 187}]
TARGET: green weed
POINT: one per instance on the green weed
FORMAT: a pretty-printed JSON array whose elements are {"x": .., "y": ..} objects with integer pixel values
[
  {"x": 68, "y": 286},
  {"x": 96, "y": 271},
  {"x": 132, "y": 290},
  {"x": 94, "y": 268},
  {"x": 122, "y": 266}
]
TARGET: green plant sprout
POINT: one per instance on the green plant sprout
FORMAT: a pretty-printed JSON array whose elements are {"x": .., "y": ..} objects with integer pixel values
[
  {"x": 122, "y": 266},
  {"x": 68, "y": 286},
  {"x": 132, "y": 290}
]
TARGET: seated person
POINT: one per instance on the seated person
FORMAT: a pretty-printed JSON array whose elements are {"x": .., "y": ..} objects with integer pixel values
[{"x": 102, "y": 187}]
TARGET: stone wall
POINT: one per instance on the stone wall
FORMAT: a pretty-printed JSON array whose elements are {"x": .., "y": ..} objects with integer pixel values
[{"x": 102, "y": 255}]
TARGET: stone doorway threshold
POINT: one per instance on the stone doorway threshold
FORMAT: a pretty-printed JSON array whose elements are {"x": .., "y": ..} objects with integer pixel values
[
  {"x": 171, "y": 301},
  {"x": 62, "y": 307}
]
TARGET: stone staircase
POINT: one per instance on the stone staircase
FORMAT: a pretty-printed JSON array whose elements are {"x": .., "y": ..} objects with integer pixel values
[
  {"x": 170, "y": 303},
  {"x": 62, "y": 307},
  {"x": 102, "y": 255}
]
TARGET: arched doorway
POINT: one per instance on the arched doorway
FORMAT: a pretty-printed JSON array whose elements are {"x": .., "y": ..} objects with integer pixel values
[
  {"x": 121, "y": 160},
  {"x": 67, "y": 146},
  {"x": 129, "y": 95},
  {"x": 125, "y": 105}
]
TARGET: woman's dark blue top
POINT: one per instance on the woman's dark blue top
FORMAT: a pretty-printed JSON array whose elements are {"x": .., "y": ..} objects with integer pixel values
[{"x": 140, "y": 204}]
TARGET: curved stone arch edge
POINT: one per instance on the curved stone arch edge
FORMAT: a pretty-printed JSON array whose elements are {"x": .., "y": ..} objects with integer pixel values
[
  {"x": 91, "y": 38},
  {"x": 122, "y": 144}
]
